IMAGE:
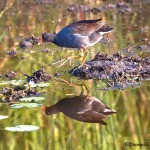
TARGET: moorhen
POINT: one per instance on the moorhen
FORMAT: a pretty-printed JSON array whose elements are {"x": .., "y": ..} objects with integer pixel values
[
  {"x": 80, "y": 35},
  {"x": 83, "y": 108}
]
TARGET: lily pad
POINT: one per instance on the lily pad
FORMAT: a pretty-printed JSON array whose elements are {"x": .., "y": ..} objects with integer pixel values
[
  {"x": 22, "y": 128},
  {"x": 12, "y": 82},
  {"x": 3, "y": 117},
  {"x": 42, "y": 84},
  {"x": 28, "y": 105},
  {"x": 32, "y": 52},
  {"x": 35, "y": 99}
]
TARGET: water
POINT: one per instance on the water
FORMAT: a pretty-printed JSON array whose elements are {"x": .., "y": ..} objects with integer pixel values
[{"x": 130, "y": 124}]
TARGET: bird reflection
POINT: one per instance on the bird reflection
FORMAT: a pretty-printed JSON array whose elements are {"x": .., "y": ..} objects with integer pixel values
[{"x": 83, "y": 108}]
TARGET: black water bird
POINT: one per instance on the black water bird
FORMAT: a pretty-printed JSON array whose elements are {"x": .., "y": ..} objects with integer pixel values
[
  {"x": 80, "y": 35},
  {"x": 83, "y": 108}
]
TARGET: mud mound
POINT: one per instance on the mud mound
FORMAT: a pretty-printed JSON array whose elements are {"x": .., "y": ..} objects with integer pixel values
[{"x": 114, "y": 68}]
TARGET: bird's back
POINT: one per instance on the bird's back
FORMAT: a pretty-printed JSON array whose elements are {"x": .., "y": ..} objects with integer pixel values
[
  {"x": 77, "y": 34},
  {"x": 73, "y": 104}
]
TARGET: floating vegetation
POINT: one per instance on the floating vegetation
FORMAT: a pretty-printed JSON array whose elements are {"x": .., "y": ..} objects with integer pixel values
[
  {"x": 32, "y": 99},
  {"x": 12, "y": 52},
  {"x": 29, "y": 41},
  {"x": 46, "y": 50},
  {"x": 3, "y": 117},
  {"x": 26, "y": 92},
  {"x": 38, "y": 76},
  {"x": 116, "y": 69},
  {"x": 42, "y": 84},
  {"x": 145, "y": 47},
  {"x": 122, "y": 7},
  {"x": 11, "y": 75},
  {"x": 38, "y": 2},
  {"x": 140, "y": 48},
  {"x": 121, "y": 86},
  {"x": 12, "y": 82},
  {"x": 78, "y": 8},
  {"x": 22, "y": 128},
  {"x": 28, "y": 105},
  {"x": 14, "y": 94}
]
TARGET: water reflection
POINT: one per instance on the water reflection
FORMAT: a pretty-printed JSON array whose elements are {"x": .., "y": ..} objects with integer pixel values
[
  {"x": 130, "y": 124},
  {"x": 84, "y": 107}
]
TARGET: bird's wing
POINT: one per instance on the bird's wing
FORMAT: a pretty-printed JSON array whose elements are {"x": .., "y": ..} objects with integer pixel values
[
  {"x": 86, "y": 27},
  {"x": 92, "y": 116}
]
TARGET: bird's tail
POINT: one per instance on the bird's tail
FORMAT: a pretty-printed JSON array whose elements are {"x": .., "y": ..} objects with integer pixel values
[{"x": 105, "y": 29}]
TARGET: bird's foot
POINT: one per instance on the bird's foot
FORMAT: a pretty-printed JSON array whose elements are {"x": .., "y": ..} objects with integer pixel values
[
  {"x": 76, "y": 68},
  {"x": 82, "y": 63},
  {"x": 63, "y": 61}
]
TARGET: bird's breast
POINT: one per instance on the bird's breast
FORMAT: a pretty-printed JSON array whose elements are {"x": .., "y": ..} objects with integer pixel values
[{"x": 72, "y": 40}]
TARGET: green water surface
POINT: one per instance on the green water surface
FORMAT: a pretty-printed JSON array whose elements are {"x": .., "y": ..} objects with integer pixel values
[{"x": 131, "y": 124}]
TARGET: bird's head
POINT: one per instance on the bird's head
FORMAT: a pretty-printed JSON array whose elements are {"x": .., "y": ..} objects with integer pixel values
[
  {"x": 47, "y": 37},
  {"x": 50, "y": 110}
]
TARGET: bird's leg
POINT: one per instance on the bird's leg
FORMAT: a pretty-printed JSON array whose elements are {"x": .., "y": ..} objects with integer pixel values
[
  {"x": 84, "y": 59},
  {"x": 66, "y": 82},
  {"x": 69, "y": 58},
  {"x": 83, "y": 85},
  {"x": 81, "y": 54},
  {"x": 63, "y": 81}
]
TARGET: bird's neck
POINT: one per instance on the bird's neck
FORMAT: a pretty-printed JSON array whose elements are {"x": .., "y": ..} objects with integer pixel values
[
  {"x": 47, "y": 37},
  {"x": 53, "y": 38}
]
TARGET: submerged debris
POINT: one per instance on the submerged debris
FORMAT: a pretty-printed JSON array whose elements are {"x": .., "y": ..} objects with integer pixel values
[
  {"x": 108, "y": 7},
  {"x": 29, "y": 41},
  {"x": 140, "y": 48},
  {"x": 37, "y": 2},
  {"x": 116, "y": 68},
  {"x": 46, "y": 50},
  {"x": 38, "y": 76},
  {"x": 78, "y": 8},
  {"x": 122, "y": 7},
  {"x": 12, "y": 52},
  {"x": 11, "y": 75},
  {"x": 143, "y": 47},
  {"x": 14, "y": 94},
  {"x": 105, "y": 41},
  {"x": 57, "y": 74}
]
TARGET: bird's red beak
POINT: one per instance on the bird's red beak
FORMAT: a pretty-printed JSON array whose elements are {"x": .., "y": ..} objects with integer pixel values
[
  {"x": 43, "y": 108},
  {"x": 41, "y": 41}
]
